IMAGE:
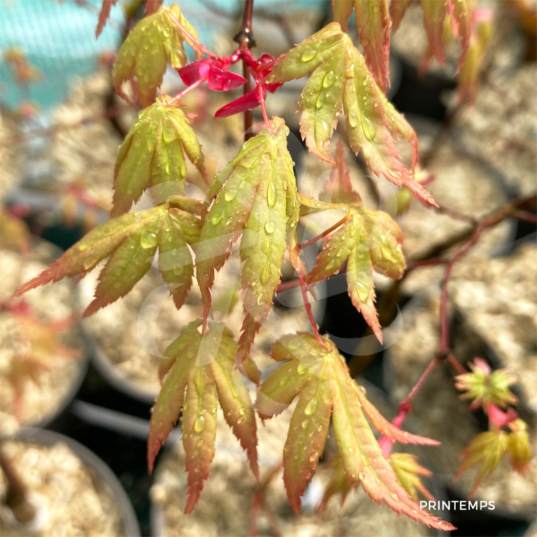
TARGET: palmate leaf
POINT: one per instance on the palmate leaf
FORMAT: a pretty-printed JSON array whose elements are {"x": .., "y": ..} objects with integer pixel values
[
  {"x": 327, "y": 392},
  {"x": 104, "y": 15},
  {"x": 152, "y": 156},
  {"x": 434, "y": 18},
  {"x": 256, "y": 197},
  {"x": 340, "y": 80},
  {"x": 153, "y": 43},
  {"x": 131, "y": 241},
  {"x": 373, "y": 24},
  {"x": 200, "y": 372},
  {"x": 367, "y": 240}
]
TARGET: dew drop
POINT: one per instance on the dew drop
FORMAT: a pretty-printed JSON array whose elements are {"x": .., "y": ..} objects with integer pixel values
[
  {"x": 215, "y": 220},
  {"x": 199, "y": 424},
  {"x": 313, "y": 456},
  {"x": 265, "y": 275},
  {"x": 311, "y": 407},
  {"x": 319, "y": 102},
  {"x": 361, "y": 475},
  {"x": 270, "y": 227},
  {"x": 301, "y": 369},
  {"x": 352, "y": 120},
  {"x": 178, "y": 271},
  {"x": 272, "y": 195},
  {"x": 363, "y": 390},
  {"x": 148, "y": 240},
  {"x": 370, "y": 130},
  {"x": 328, "y": 79},
  {"x": 308, "y": 55},
  {"x": 230, "y": 195}
]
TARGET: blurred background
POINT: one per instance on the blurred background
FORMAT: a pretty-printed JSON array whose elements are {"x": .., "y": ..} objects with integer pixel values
[{"x": 76, "y": 395}]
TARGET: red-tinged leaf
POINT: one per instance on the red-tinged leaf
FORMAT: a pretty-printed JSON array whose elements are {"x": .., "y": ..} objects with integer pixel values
[
  {"x": 342, "y": 11},
  {"x": 461, "y": 16},
  {"x": 175, "y": 260},
  {"x": 104, "y": 14},
  {"x": 203, "y": 365},
  {"x": 434, "y": 13},
  {"x": 329, "y": 389},
  {"x": 366, "y": 240},
  {"x": 153, "y": 43},
  {"x": 233, "y": 395},
  {"x": 338, "y": 484},
  {"x": 152, "y": 6},
  {"x": 214, "y": 71},
  {"x": 409, "y": 474},
  {"x": 255, "y": 198},
  {"x": 340, "y": 80},
  {"x": 131, "y": 240},
  {"x": 384, "y": 427},
  {"x": 127, "y": 265},
  {"x": 473, "y": 62},
  {"x": 152, "y": 156},
  {"x": 246, "y": 102},
  {"x": 397, "y": 11},
  {"x": 221, "y": 80},
  {"x": 302, "y": 451},
  {"x": 373, "y": 24},
  {"x": 199, "y": 432},
  {"x": 170, "y": 399},
  {"x": 338, "y": 189}
]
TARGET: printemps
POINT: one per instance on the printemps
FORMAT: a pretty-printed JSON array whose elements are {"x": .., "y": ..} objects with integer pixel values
[{"x": 254, "y": 202}]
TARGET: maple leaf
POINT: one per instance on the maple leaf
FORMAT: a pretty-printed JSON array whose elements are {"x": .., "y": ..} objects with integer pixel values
[
  {"x": 152, "y": 6},
  {"x": 397, "y": 11},
  {"x": 319, "y": 374},
  {"x": 338, "y": 484},
  {"x": 153, "y": 43},
  {"x": 202, "y": 371},
  {"x": 215, "y": 71},
  {"x": 519, "y": 446},
  {"x": 152, "y": 156},
  {"x": 340, "y": 80},
  {"x": 435, "y": 16},
  {"x": 253, "y": 98},
  {"x": 479, "y": 43},
  {"x": 132, "y": 241},
  {"x": 104, "y": 15},
  {"x": 373, "y": 24},
  {"x": 409, "y": 473},
  {"x": 254, "y": 196},
  {"x": 486, "y": 449},
  {"x": 367, "y": 240},
  {"x": 484, "y": 386}
]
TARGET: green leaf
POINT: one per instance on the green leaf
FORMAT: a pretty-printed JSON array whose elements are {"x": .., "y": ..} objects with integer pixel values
[
  {"x": 131, "y": 240},
  {"x": 409, "y": 473},
  {"x": 487, "y": 450},
  {"x": 434, "y": 13},
  {"x": 373, "y": 24},
  {"x": 151, "y": 156},
  {"x": 199, "y": 370},
  {"x": 318, "y": 373},
  {"x": 153, "y": 43},
  {"x": 256, "y": 198},
  {"x": 367, "y": 240},
  {"x": 340, "y": 80}
]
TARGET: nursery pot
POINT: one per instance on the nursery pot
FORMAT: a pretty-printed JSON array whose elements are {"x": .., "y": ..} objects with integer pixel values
[{"x": 99, "y": 470}]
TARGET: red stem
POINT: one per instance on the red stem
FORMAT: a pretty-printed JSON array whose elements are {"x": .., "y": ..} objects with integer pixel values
[
  {"x": 186, "y": 91},
  {"x": 307, "y": 305}
]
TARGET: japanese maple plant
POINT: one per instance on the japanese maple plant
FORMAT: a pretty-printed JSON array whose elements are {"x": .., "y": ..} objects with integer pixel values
[{"x": 254, "y": 199}]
